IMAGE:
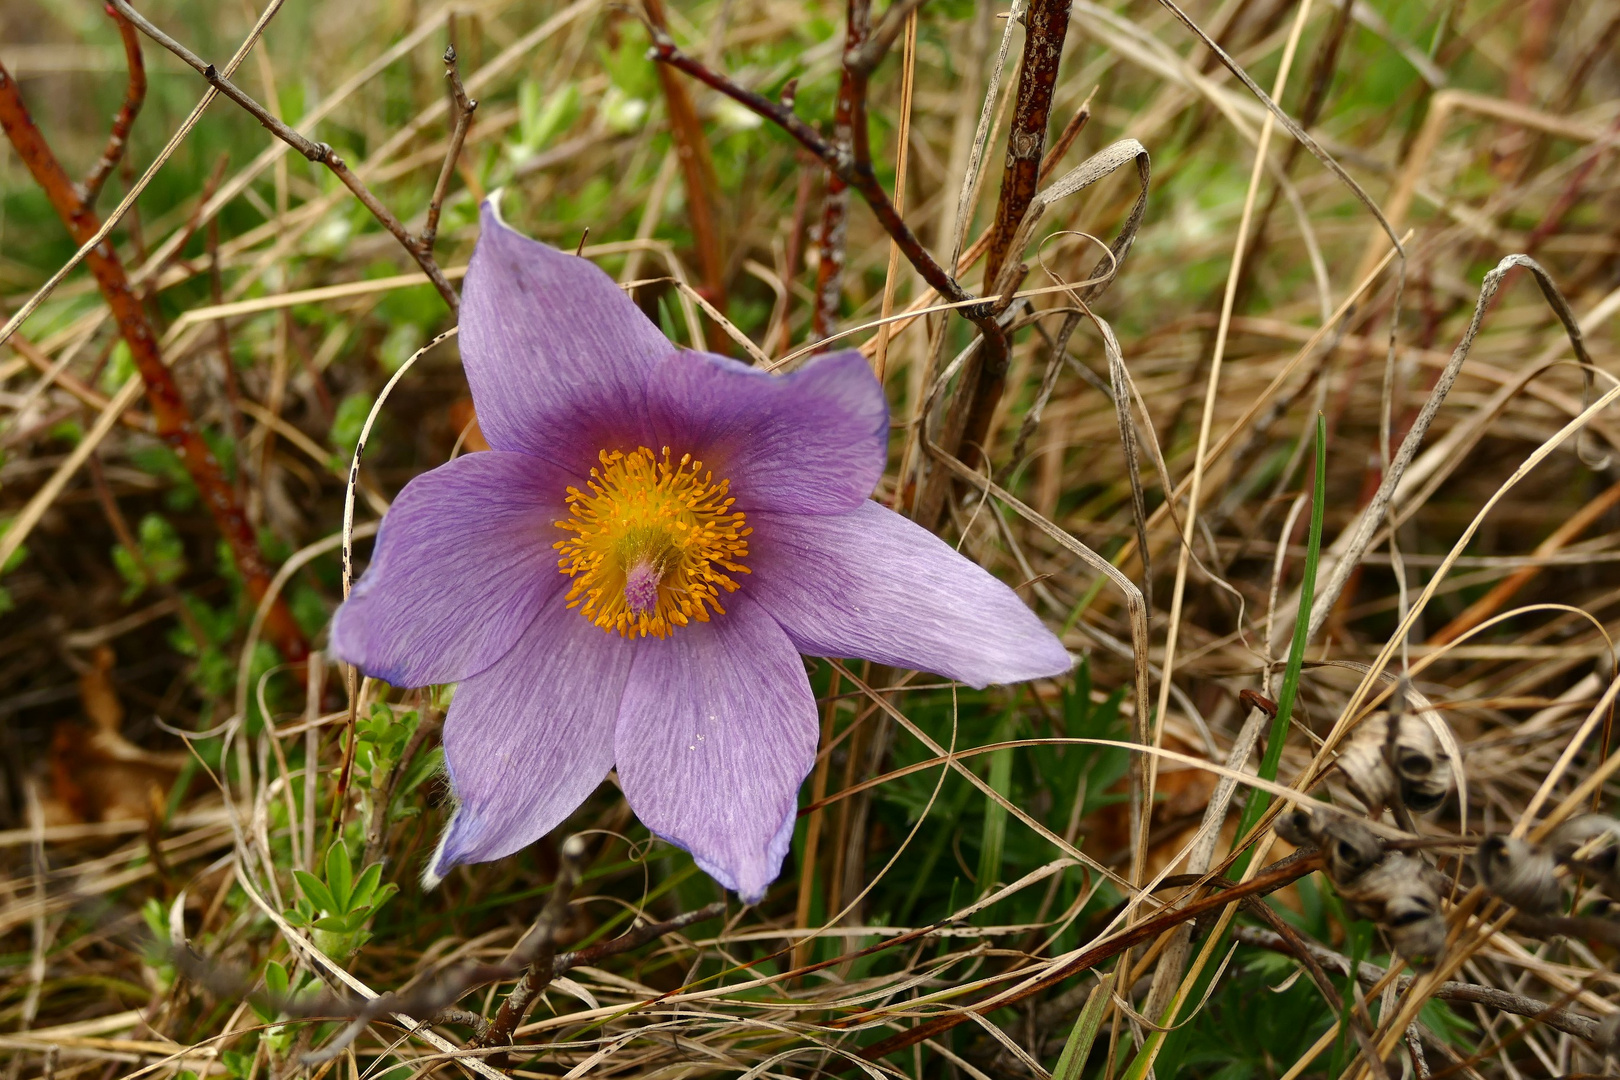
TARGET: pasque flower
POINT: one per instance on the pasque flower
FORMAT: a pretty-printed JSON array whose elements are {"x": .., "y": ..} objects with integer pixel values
[{"x": 627, "y": 578}]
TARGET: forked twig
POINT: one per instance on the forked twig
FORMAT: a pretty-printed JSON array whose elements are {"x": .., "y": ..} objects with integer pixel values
[
  {"x": 317, "y": 152},
  {"x": 464, "y": 107},
  {"x": 539, "y": 948}
]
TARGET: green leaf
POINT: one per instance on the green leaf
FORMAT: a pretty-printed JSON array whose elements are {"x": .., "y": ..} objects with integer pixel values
[
  {"x": 17, "y": 557},
  {"x": 339, "y": 876},
  {"x": 319, "y": 895},
  {"x": 402, "y": 341},
  {"x": 275, "y": 979},
  {"x": 347, "y": 421},
  {"x": 365, "y": 885},
  {"x": 120, "y": 366}
]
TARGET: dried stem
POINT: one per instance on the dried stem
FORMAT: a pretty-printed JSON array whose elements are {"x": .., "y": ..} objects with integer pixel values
[
  {"x": 854, "y": 169},
  {"x": 463, "y": 107},
  {"x": 1269, "y": 880},
  {"x": 835, "y": 203},
  {"x": 1046, "y": 26},
  {"x": 124, "y": 119},
  {"x": 434, "y": 1002},
  {"x": 966, "y": 426},
  {"x": 1584, "y": 1027},
  {"x": 170, "y": 415},
  {"x": 636, "y": 938},
  {"x": 314, "y": 151},
  {"x": 540, "y": 949}
]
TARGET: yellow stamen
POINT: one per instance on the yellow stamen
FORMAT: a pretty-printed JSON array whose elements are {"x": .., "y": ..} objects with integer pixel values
[{"x": 653, "y": 539}]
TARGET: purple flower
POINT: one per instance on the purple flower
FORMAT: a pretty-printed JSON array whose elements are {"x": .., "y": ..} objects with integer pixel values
[{"x": 627, "y": 578}]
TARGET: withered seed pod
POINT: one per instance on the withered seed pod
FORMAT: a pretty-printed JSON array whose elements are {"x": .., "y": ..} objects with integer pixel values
[
  {"x": 1591, "y": 844},
  {"x": 1396, "y": 890},
  {"x": 1299, "y": 826},
  {"x": 1520, "y": 873},
  {"x": 1606, "y": 1039},
  {"x": 1351, "y": 849},
  {"x": 1416, "y": 927},
  {"x": 1400, "y": 895},
  {"x": 1407, "y": 765}
]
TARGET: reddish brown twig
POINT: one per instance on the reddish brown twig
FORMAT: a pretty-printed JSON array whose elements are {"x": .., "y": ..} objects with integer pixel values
[
  {"x": 855, "y": 169},
  {"x": 169, "y": 412},
  {"x": 124, "y": 119},
  {"x": 833, "y": 240},
  {"x": 321, "y": 153}
]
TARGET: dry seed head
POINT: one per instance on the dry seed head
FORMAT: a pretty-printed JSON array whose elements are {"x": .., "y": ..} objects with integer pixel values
[
  {"x": 1591, "y": 844},
  {"x": 1299, "y": 826},
  {"x": 1606, "y": 1039},
  {"x": 1350, "y": 848},
  {"x": 1401, "y": 763},
  {"x": 1400, "y": 895},
  {"x": 1520, "y": 873}
]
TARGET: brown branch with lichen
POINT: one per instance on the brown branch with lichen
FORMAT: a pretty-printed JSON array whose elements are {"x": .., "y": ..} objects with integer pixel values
[{"x": 171, "y": 417}]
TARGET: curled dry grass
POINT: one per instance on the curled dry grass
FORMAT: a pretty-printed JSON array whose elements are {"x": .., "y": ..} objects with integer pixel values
[{"x": 967, "y": 867}]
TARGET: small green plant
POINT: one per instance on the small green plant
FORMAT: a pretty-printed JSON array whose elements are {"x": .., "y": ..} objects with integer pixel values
[
  {"x": 339, "y": 909},
  {"x": 160, "y": 560}
]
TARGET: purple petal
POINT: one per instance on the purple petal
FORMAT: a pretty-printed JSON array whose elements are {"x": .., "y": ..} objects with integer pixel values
[
  {"x": 529, "y": 739},
  {"x": 812, "y": 442},
  {"x": 874, "y": 585},
  {"x": 716, "y": 733},
  {"x": 462, "y": 565},
  {"x": 556, "y": 354}
]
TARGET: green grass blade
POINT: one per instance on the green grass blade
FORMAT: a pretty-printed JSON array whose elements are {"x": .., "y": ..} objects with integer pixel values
[
  {"x": 1259, "y": 800},
  {"x": 1084, "y": 1032}
]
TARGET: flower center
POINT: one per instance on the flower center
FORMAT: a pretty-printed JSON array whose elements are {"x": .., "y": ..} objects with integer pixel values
[{"x": 652, "y": 542}]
